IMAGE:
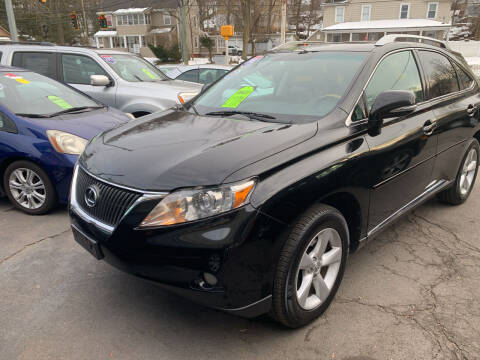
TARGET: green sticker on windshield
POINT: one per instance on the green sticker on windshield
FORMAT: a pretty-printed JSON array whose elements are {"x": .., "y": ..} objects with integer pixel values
[
  {"x": 238, "y": 97},
  {"x": 59, "y": 102},
  {"x": 149, "y": 74}
]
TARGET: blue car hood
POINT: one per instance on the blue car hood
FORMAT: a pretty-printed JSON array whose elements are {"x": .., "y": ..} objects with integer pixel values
[{"x": 85, "y": 124}]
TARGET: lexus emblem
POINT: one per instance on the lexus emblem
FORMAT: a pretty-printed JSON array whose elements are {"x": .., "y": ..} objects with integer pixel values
[{"x": 91, "y": 196}]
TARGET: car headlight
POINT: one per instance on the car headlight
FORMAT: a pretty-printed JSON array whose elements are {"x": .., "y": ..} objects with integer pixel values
[
  {"x": 184, "y": 97},
  {"x": 131, "y": 116},
  {"x": 189, "y": 205},
  {"x": 66, "y": 143}
]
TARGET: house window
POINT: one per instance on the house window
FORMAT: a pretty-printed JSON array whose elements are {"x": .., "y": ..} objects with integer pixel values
[
  {"x": 339, "y": 14},
  {"x": 167, "y": 19},
  {"x": 366, "y": 10},
  {"x": 432, "y": 10},
  {"x": 195, "y": 41},
  {"x": 404, "y": 11},
  {"x": 133, "y": 19}
]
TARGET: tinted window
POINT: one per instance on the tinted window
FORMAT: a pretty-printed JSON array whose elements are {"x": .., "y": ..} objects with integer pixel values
[
  {"x": 6, "y": 124},
  {"x": 191, "y": 75},
  {"x": 26, "y": 92},
  {"x": 42, "y": 62},
  {"x": 292, "y": 87},
  {"x": 396, "y": 72},
  {"x": 464, "y": 79},
  {"x": 440, "y": 74},
  {"x": 208, "y": 76},
  {"x": 77, "y": 69}
]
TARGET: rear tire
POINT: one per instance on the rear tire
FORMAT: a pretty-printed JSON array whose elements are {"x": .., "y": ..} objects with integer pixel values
[
  {"x": 315, "y": 253},
  {"x": 29, "y": 188},
  {"x": 459, "y": 192}
]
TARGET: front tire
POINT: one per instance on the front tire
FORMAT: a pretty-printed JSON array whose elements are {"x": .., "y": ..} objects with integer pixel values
[
  {"x": 310, "y": 267},
  {"x": 459, "y": 192},
  {"x": 29, "y": 188}
]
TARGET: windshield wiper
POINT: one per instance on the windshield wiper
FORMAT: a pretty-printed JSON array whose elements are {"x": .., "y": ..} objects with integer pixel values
[
  {"x": 74, "y": 109},
  {"x": 251, "y": 115},
  {"x": 32, "y": 115}
]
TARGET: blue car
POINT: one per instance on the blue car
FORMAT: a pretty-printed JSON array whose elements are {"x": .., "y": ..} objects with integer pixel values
[{"x": 44, "y": 126}]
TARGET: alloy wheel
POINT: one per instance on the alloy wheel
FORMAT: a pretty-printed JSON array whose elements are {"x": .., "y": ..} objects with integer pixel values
[
  {"x": 318, "y": 269},
  {"x": 468, "y": 172},
  {"x": 27, "y": 188}
]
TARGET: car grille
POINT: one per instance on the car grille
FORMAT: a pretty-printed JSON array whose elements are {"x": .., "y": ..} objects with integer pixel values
[{"x": 112, "y": 202}]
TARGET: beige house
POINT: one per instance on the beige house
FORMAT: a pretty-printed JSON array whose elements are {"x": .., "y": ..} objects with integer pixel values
[
  {"x": 134, "y": 29},
  {"x": 360, "y": 20}
]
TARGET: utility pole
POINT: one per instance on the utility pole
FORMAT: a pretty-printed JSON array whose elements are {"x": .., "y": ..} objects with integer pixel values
[
  {"x": 246, "y": 28},
  {"x": 85, "y": 25},
  {"x": 11, "y": 20},
  {"x": 183, "y": 32},
  {"x": 283, "y": 25}
]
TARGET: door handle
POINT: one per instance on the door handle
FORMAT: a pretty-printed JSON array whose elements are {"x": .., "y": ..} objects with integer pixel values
[
  {"x": 429, "y": 127},
  {"x": 471, "y": 110}
]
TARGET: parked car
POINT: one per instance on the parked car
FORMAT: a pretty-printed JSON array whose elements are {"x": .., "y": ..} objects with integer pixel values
[
  {"x": 250, "y": 200},
  {"x": 44, "y": 126},
  {"x": 116, "y": 78},
  {"x": 234, "y": 50},
  {"x": 202, "y": 74}
]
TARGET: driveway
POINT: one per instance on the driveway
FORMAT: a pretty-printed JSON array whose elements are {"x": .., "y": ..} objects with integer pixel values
[{"x": 410, "y": 294}]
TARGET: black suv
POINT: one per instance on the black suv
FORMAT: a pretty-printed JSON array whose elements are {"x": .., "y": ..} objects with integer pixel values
[{"x": 249, "y": 198}]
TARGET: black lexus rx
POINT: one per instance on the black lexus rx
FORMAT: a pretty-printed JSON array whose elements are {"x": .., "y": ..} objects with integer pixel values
[{"x": 250, "y": 197}]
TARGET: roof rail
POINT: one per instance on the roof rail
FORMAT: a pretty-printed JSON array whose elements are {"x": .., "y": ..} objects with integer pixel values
[
  {"x": 294, "y": 45},
  {"x": 42, "y": 43},
  {"x": 410, "y": 38}
]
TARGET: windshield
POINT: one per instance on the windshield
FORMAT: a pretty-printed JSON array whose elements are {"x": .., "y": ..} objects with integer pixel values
[
  {"x": 29, "y": 93},
  {"x": 133, "y": 68},
  {"x": 292, "y": 87}
]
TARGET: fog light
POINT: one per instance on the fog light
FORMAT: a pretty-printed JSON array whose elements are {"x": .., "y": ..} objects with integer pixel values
[{"x": 210, "y": 279}]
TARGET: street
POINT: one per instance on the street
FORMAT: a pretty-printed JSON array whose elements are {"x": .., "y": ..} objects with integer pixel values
[{"x": 410, "y": 294}]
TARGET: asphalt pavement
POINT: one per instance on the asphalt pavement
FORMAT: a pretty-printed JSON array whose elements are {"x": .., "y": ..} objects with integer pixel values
[{"x": 412, "y": 293}]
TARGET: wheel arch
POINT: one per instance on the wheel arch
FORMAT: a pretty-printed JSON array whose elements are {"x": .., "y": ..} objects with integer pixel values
[{"x": 477, "y": 136}]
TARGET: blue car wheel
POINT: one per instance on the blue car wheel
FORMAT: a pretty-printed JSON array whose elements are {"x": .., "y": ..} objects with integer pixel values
[{"x": 29, "y": 188}]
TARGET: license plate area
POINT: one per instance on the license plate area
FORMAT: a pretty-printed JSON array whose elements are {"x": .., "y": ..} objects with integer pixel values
[{"x": 87, "y": 243}]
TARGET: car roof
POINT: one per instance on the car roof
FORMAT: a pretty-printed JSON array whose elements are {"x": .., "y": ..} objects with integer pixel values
[
  {"x": 47, "y": 46},
  {"x": 322, "y": 46},
  {"x": 11, "y": 68}
]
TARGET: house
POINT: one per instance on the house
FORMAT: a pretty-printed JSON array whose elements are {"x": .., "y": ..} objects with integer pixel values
[
  {"x": 360, "y": 20},
  {"x": 146, "y": 22}
]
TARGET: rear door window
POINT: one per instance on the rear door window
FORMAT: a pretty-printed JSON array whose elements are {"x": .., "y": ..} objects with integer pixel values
[
  {"x": 191, "y": 75},
  {"x": 77, "y": 69},
  {"x": 397, "y": 71},
  {"x": 440, "y": 74},
  {"x": 208, "y": 76},
  {"x": 464, "y": 80},
  {"x": 44, "y": 63}
]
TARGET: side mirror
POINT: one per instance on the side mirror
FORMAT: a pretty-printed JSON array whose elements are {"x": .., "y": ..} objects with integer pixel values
[
  {"x": 99, "y": 80},
  {"x": 390, "y": 103}
]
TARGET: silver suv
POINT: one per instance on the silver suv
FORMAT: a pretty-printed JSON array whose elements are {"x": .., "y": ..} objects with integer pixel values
[{"x": 116, "y": 78}]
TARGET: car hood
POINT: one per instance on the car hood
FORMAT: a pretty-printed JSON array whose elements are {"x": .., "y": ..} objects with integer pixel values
[
  {"x": 85, "y": 124},
  {"x": 174, "y": 149}
]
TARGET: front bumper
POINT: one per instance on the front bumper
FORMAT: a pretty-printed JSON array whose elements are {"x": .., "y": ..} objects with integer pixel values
[{"x": 238, "y": 248}]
